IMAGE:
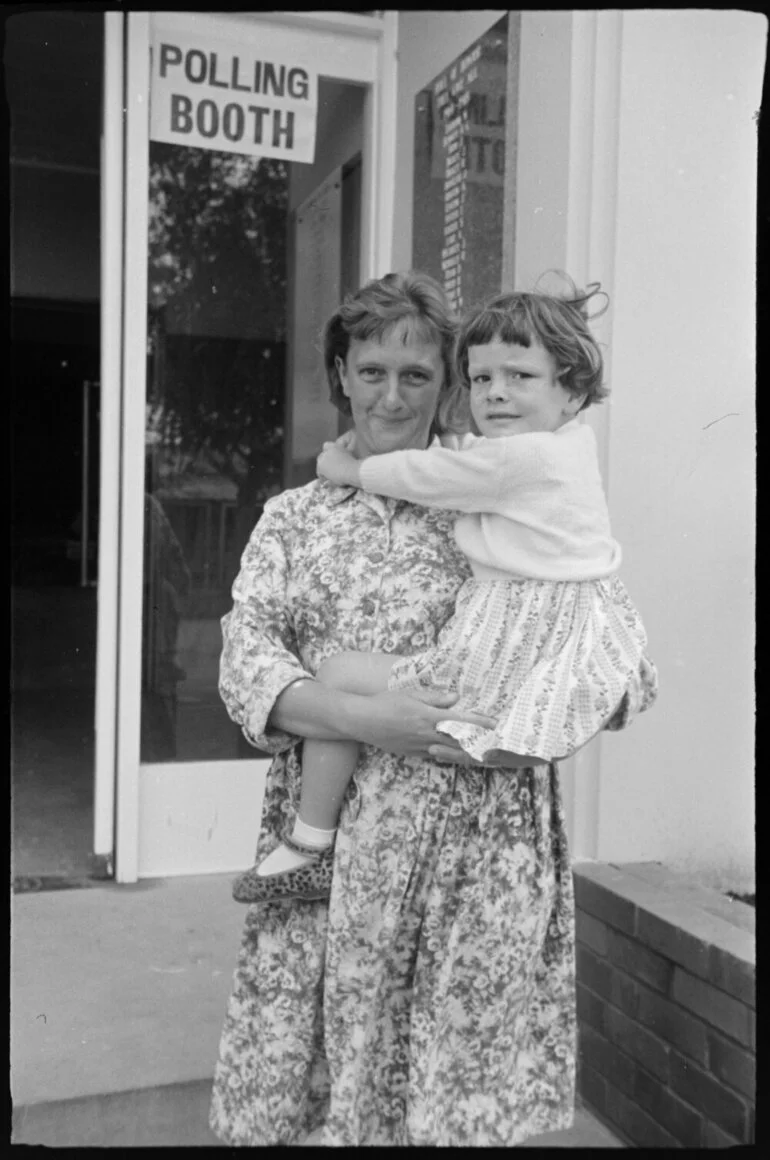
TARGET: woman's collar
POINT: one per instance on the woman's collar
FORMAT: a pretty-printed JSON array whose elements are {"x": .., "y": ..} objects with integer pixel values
[
  {"x": 383, "y": 505},
  {"x": 335, "y": 493}
]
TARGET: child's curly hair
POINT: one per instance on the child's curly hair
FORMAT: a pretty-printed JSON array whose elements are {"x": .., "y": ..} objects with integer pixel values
[{"x": 559, "y": 322}]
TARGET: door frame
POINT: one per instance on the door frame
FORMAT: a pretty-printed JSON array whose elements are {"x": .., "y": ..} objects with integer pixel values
[
  {"x": 111, "y": 309},
  {"x": 355, "y": 49}
]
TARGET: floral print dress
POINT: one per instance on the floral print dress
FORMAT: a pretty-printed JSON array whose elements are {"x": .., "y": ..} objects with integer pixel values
[{"x": 431, "y": 1001}]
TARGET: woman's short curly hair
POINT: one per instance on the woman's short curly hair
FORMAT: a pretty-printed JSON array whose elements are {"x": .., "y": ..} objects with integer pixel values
[
  {"x": 558, "y": 321},
  {"x": 375, "y": 311}
]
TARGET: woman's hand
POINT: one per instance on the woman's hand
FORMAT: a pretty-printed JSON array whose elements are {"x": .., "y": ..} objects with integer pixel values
[
  {"x": 336, "y": 464},
  {"x": 401, "y": 723},
  {"x": 405, "y": 723}
]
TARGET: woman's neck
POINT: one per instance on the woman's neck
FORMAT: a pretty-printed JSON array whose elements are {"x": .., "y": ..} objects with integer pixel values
[{"x": 362, "y": 453}]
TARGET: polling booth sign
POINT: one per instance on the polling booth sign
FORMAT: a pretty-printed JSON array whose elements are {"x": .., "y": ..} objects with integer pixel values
[{"x": 223, "y": 95}]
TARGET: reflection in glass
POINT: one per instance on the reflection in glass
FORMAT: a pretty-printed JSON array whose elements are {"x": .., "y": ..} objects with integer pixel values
[
  {"x": 166, "y": 587},
  {"x": 214, "y": 433}
]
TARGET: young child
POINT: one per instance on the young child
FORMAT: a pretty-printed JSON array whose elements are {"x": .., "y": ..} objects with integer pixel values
[{"x": 544, "y": 638}]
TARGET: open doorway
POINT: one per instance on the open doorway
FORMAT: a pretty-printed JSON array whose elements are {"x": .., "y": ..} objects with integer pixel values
[
  {"x": 224, "y": 404},
  {"x": 219, "y": 371},
  {"x": 53, "y": 68}
]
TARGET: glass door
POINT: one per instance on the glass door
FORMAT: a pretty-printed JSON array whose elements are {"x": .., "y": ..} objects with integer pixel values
[
  {"x": 215, "y": 401},
  {"x": 219, "y": 406}
]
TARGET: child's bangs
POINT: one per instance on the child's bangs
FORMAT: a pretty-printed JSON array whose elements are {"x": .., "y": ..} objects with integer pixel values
[{"x": 513, "y": 327}]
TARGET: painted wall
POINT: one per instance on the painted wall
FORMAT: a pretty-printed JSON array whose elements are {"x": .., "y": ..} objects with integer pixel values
[
  {"x": 636, "y": 165},
  {"x": 679, "y": 786},
  {"x": 427, "y": 43},
  {"x": 663, "y": 140}
]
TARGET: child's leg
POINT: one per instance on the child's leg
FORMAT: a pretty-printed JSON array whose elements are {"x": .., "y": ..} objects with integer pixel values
[{"x": 327, "y": 766}]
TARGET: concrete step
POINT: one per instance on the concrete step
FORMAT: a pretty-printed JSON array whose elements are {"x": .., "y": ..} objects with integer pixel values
[
  {"x": 104, "y": 1049},
  {"x": 176, "y": 1115}
]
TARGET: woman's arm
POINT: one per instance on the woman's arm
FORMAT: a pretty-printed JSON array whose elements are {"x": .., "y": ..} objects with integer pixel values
[
  {"x": 396, "y": 722},
  {"x": 260, "y": 657},
  {"x": 270, "y": 694}
]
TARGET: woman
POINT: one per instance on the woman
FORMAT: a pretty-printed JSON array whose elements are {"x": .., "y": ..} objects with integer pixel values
[{"x": 431, "y": 1001}]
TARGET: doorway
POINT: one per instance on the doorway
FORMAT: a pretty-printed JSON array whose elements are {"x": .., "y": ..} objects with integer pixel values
[
  {"x": 226, "y": 394},
  {"x": 55, "y": 113},
  {"x": 233, "y": 263},
  {"x": 226, "y": 266},
  {"x": 195, "y": 392}
]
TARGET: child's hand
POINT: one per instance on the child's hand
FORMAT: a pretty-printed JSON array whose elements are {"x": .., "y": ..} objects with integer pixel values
[{"x": 338, "y": 465}]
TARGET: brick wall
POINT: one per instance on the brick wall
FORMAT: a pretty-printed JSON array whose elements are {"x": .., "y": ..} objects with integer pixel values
[{"x": 666, "y": 1006}]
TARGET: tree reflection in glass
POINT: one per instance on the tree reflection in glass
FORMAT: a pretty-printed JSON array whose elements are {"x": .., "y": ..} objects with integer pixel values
[{"x": 215, "y": 406}]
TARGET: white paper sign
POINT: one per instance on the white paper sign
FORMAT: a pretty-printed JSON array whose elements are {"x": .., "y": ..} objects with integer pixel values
[{"x": 217, "y": 94}]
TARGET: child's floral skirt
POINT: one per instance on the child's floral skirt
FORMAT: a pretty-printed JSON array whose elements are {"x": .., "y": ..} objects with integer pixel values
[{"x": 551, "y": 661}]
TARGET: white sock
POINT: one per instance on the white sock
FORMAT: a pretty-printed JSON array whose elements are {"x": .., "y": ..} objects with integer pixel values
[
  {"x": 310, "y": 836},
  {"x": 280, "y": 860},
  {"x": 283, "y": 858}
]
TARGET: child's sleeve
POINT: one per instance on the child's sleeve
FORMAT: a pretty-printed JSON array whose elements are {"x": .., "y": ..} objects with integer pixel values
[{"x": 466, "y": 481}]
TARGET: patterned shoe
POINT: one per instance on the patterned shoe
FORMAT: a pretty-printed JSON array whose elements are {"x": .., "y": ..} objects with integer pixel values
[{"x": 305, "y": 883}]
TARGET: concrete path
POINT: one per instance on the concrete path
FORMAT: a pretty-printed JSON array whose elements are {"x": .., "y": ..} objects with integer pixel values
[{"x": 117, "y": 1000}]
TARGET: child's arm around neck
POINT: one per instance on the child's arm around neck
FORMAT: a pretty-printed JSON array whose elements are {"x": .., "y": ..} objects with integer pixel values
[{"x": 467, "y": 480}]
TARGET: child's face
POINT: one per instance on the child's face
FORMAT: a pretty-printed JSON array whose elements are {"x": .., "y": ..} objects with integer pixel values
[{"x": 514, "y": 389}]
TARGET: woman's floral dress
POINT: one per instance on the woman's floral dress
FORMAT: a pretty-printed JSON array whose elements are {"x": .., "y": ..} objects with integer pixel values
[{"x": 431, "y": 1001}]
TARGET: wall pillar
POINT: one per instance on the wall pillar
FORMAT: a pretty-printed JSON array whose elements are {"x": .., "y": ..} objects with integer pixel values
[{"x": 566, "y": 186}]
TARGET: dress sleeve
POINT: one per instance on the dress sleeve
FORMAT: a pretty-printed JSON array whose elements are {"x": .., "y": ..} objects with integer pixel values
[
  {"x": 465, "y": 481},
  {"x": 260, "y": 657}
]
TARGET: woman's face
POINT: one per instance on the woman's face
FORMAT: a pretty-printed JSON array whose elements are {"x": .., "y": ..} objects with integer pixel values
[{"x": 393, "y": 387}]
